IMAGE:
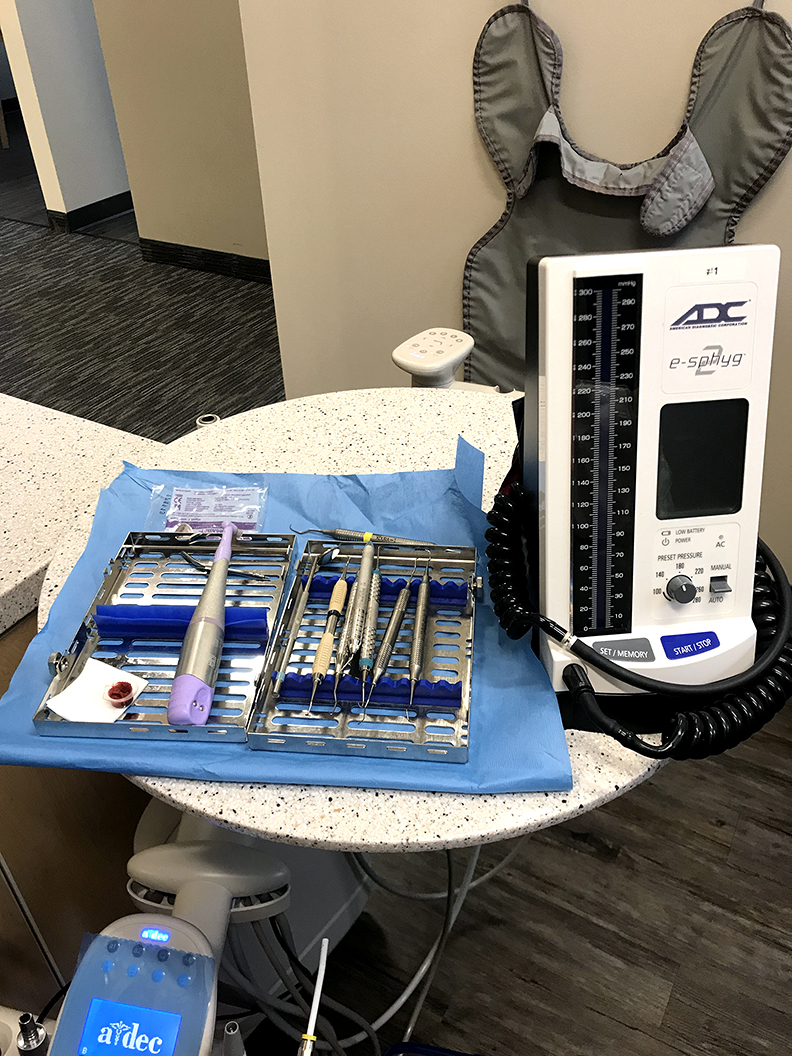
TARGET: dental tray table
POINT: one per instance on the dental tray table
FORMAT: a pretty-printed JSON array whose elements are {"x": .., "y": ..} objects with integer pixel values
[
  {"x": 345, "y": 718},
  {"x": 137, "y": 622}
]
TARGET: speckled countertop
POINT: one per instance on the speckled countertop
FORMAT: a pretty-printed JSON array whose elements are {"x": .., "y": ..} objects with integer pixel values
[
  {"x": 52, "y": 467},
  {"x": 370, "y": 431}
]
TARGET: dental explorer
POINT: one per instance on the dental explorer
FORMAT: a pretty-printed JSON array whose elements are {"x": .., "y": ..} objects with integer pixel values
[
  {"x": 419, "y": 633},
  {"x": 324, "y": 650},
  {"x": 297, "y": 616},
  {"x": 369, "y": 639},
  {"x": 390, "y": 636},
  {"x": 193, "y": 685},
  {"x": 346, "y": 535},
  {"x": 344, "y": 651}
]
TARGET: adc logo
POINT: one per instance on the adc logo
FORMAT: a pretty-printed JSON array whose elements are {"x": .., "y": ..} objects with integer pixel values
[{"x": 713, "y": 314}]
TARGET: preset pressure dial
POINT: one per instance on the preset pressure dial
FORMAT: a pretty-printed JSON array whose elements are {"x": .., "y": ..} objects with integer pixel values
[{"x": 681, "y": 589}]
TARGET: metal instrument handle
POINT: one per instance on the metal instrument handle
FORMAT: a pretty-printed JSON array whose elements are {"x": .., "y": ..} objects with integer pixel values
[
  {"x": 363, "y": 580},
  {"x": 392, "y": 630},
  {"x": 345, "y": 642},
  {"x": 419, "y": 630},
  {"x": 296, "y": 621},
  {"x": 372, "y": 615},
  {"x": 345, "y": 535}
]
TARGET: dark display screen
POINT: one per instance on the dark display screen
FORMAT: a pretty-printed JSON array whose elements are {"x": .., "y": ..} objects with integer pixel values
[
  {"x": 701, "y": 462},
  {"x": 112, "y": 1026}
]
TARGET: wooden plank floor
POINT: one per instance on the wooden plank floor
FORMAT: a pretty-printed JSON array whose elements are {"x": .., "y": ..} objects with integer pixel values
[{"x": 658, "y": 925}]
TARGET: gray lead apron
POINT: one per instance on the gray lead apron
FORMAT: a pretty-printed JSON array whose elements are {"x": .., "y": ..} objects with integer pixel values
[{"x": 560, "y": 199}]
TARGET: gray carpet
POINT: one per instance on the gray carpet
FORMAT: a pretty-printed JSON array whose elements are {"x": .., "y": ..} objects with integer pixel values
[{"x": 88, "y": 327}]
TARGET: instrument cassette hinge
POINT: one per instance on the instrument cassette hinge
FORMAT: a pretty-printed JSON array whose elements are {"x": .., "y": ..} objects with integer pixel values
[
  {"x": 646, "y": 403},
  {"x": 347, "y": 717},
  {"x": 137, "y": 622}
]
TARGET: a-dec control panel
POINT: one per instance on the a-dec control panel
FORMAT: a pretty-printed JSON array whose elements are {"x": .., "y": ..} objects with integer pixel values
[{"x": 138, "y": 995}]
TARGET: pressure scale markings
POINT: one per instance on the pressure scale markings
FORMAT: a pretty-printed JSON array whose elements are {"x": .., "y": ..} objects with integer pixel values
[{"x": 605, "y": 361}]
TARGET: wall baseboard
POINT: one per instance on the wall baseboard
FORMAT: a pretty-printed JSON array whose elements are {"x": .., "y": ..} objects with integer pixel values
[
  {"x": 64, "y": 223},
  {"x": 254, "y": 269}
]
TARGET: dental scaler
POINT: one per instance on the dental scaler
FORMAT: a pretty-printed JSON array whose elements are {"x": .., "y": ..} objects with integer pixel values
[
  {"x": 344, "y": 649},
  {"x": 196, "y": 672},
  {"x": 390, "y": 636},
  {"x": 369, "y": 639},
  {"x": 419, "y": 634},
  {"x": 324, "y": 650}
]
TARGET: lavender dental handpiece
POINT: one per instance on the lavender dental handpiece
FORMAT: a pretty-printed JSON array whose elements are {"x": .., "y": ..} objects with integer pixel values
[{"x": 196, "y": 672}]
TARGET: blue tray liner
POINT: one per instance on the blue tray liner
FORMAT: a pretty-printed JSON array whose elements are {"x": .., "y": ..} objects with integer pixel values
[
  {"x": 517, "y": 742},
  {"x": 394, "y": 693},
  {"x": 156, "y": 621},
  {"x": 440, "y": 593}
]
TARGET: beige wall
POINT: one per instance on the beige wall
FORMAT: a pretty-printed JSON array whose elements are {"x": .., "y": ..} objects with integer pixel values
[
  {"x": 376, "y": 185},
  {"x": 56, "y": 60},
  {"x": 179, "y": 85},
  {"x": 374, "y": 181}
]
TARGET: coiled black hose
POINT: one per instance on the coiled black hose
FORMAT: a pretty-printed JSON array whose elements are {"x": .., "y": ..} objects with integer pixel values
[{"x": 733, "y": 708}]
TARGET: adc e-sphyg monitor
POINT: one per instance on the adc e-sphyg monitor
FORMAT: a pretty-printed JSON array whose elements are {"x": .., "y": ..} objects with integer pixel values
[{"x": 646, "y": 404}]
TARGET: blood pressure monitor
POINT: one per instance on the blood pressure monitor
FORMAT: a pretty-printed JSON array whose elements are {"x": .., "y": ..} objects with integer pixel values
[{"x": 646, "y": 403}]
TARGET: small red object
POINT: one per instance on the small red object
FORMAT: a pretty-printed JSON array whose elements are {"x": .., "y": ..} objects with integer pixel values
[{"x": 120, "y": 694}]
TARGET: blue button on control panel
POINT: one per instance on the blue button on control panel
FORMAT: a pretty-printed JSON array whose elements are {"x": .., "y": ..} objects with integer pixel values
[{"x": 685, "y": 646}]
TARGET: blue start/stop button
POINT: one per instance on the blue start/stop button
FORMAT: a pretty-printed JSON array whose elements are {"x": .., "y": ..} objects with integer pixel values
[{"x": 685, "y": 646}]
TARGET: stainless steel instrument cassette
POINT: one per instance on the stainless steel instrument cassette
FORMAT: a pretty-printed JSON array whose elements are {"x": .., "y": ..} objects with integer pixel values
[
  {"x": 372, "y": 655},
  {"x": 137, "y": 622}
]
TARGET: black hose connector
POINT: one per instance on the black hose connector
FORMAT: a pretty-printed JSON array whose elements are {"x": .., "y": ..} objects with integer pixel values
[
  {"x": 735, "y": 707},
  {"x": 577, "y": 682}
]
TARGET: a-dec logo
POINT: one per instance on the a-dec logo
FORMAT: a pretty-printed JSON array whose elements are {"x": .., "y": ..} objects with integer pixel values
[
  {"x": 128, "y": 1028},
  {"x": 713, "y": 359},
  {"x": 128, "y": 1036},
  {"x": 713, "y": 314}
]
